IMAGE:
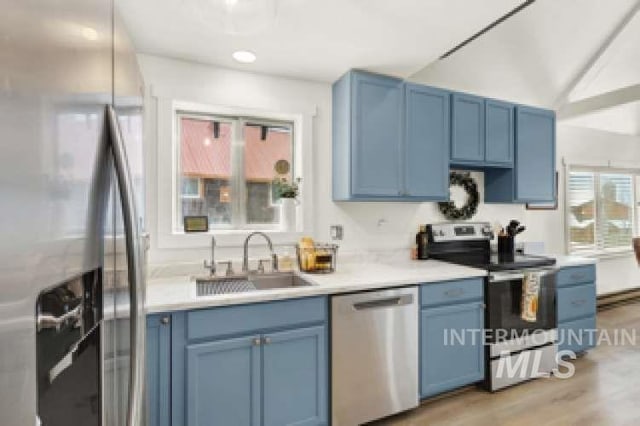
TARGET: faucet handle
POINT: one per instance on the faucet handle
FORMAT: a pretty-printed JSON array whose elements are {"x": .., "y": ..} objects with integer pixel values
[
  {"x": 261, "y": 263},
  {"x": 229, "y": 264},
  {"x": 210, "y": 266}
]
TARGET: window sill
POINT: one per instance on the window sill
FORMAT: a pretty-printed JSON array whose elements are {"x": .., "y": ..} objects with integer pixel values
[
  {"x": 224, "y": 238},
  {"x": 604, "y": 255}
]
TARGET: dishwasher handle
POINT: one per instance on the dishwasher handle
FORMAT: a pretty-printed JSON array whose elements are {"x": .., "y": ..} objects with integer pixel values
[{"x": 405, "y": 299}]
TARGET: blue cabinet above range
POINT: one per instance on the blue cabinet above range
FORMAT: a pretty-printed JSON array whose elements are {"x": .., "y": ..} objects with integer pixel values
[
  {"x": 396, "y": 141},
  {"x": 533, "y": 177}
]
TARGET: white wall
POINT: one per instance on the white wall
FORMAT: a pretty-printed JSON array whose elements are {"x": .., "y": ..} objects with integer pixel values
[
  {"x": 187, "y": 81},
  {"x": 376, "y": 226}
]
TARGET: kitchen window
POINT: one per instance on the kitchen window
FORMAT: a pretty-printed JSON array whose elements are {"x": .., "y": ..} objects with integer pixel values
[
  {"x": 601, "y": 209},
  {"x": 226, "y": 166}
]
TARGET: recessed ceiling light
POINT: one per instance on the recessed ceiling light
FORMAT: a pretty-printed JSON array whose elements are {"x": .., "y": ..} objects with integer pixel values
[
  {"x": 90, "y": 34},
  {"x": 207, "y": 142},
  {"x": 244, "y": 56}
]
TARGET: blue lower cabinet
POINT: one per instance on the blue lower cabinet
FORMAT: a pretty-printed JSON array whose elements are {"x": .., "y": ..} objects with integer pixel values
[
  {"x": 577, "y": 305},
  {"x": 577, "y": 336},
  {"x": 262, "y": 364},
  {"x": 446, "y": 362},
  {"x": 295, "y": 377},
  {"x": 158, "y": 370},
  {"x": 223, "y": 382}
]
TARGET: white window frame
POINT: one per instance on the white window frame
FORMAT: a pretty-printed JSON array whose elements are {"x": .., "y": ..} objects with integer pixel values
[
  {"x": 239, "y": 216},
  {"x": 169, "y": 232},
  {"x": 600, "y": 167}
]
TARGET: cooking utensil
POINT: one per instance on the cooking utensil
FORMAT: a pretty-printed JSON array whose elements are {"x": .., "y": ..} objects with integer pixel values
[{"x": 511, "y": 228}]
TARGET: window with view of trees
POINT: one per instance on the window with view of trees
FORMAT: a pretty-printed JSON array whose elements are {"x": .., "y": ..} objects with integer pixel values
[
  {"x": 600, "y": 209},
  {"x": 226, "y": 168}
]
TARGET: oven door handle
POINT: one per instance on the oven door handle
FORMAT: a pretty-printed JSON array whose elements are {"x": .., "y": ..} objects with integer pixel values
[
  {"x": 497, "y": 277},
  {"x": 502, "y": 277}
]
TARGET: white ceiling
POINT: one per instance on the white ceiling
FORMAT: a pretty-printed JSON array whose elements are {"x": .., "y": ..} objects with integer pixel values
[
  {"x": 534, "y": 56},
  {"x": 623, "y": 119},
  {"x": 318, "y": 39},
  {"x": 619, "y": 67},
  {"x": 531, "y": 58}
]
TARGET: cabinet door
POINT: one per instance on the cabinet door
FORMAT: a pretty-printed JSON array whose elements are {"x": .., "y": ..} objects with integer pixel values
[
  {"x": 467, "y": 141},
  {"x": 446, "y": 365},
  {"x": 295, "y": 377},
  {"x": 158, "y": 370},
  {"x": 535, "y": 154},
  {"x": 576, "y": 302},
  {"x": 427, "y": 123},
  {"x": 223, "y": 382},
  {"x": 377, "y": 136},
  {"x": 577, "y": 336},
  {"x": 499, "y": 133}
]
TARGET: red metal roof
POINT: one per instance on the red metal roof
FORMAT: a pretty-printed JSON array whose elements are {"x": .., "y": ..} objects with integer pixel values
[{"x": 203, "y": 156}]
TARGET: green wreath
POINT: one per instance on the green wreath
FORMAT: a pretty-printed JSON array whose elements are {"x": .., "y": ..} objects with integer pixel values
[{"x": 448, "y": 208}]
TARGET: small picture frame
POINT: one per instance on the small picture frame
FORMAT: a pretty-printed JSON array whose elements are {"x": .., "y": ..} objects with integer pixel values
[
  {"x": 196, "y": 224},
  {"x": 545, "y": 205}
]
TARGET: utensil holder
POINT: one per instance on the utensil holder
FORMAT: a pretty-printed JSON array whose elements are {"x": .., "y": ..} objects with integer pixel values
[{"x": 506, "y": 248}]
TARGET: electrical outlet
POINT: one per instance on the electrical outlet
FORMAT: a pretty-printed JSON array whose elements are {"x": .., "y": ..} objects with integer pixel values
[{"x": 336, "y": 232}]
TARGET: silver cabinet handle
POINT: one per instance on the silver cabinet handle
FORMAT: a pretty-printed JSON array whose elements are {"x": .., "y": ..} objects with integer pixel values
[
  {"x": 256, "y": 341},
  {"x": 165, "y": 320},
  {"x": 576, "y": 276},
  {"x": 578, "y": 302},
  {"x": 454, "y": 292},
  {"x": 134, "y": 269},
  {"x": 266, "y": 340}
]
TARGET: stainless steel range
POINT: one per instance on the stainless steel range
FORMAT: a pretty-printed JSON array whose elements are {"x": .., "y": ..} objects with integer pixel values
[{"x": 518, "y": 347}]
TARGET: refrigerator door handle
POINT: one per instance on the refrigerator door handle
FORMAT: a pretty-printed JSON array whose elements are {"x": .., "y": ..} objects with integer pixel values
[{"x": 134, "y": 266}]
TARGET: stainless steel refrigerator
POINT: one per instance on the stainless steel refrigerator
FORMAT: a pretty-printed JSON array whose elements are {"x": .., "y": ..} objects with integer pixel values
[{"x": 71, "y": 216}]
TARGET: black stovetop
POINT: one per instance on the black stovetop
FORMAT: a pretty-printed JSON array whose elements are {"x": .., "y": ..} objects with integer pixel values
[
  {"x": 519, "y": 261},
  {"x": 478, "y": 254}
]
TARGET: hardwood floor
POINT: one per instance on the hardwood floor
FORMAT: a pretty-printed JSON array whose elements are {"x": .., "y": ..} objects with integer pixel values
[{"x": 605, "y": 390}]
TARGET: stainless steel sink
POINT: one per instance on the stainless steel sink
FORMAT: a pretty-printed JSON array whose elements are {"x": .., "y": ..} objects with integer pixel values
[{"x": 253, "y": 282}]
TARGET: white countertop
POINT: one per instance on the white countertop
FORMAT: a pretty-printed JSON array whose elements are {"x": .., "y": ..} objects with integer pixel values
[
  {"x": 179, "y": 292},
  {"x": 564, "y": 261}
]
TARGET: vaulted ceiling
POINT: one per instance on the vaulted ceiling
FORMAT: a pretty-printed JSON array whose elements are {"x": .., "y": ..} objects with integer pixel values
[
  {"x": 550, "y": 54},
  {"x": 315, "y": 39}
]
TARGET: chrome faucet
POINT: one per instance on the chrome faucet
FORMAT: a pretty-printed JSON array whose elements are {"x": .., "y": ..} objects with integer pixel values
[
  {"x": 212, "y": 265},
  {"x": 245, "y": 259}
]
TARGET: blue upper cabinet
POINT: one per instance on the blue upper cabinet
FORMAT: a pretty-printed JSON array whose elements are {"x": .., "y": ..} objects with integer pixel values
[
  {"x": 499, "y": 133},
  {"x": 532, "y": 178},
  {"x": 535, "y": 154},
  {"x": 388, "y": 139},
  {"x": 395, "y": 141},
  {"x": 427, "y": 123},
  {"x": 467, "y": 129},
  {"x": 367, "y": 139}
]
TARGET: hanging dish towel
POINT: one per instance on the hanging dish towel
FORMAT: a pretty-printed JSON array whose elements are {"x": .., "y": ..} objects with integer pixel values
[{"x": 530, "y": 290}]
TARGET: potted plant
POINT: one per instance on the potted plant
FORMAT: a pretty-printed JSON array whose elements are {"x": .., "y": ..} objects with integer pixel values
[{"x": 287, "y": 192}]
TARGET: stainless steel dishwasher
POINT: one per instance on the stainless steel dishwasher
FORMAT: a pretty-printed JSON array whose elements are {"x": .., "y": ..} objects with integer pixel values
[{"x": 374, "y": 354}]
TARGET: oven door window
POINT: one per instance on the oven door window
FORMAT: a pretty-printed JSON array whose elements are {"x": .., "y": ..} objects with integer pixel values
[{"x": 505, "y": 309}]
